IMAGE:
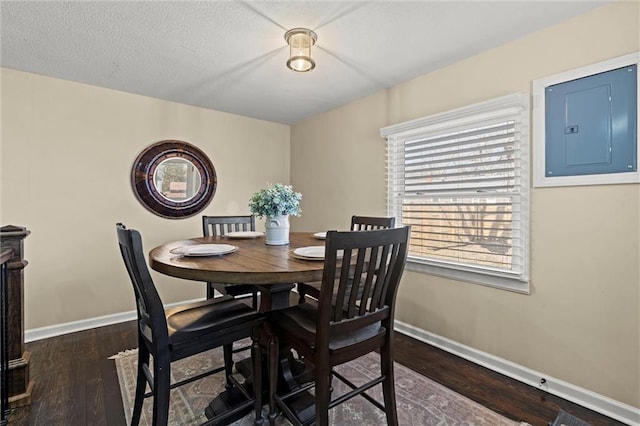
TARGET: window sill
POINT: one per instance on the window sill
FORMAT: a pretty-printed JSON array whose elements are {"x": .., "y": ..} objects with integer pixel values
[{"x": 500, "y": 282}]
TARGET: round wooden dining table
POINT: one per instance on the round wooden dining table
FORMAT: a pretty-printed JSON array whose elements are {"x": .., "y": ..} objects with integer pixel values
[{"x": 253, "y": 263}]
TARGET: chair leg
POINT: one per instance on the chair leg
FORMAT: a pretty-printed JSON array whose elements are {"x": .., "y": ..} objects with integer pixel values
[
  {"x": 227, "y": 351},
  {"x": 141, "y": 384},
  {"x": 273, "y": 377},
  {"x": 301, "y": 294},
  {"x": 388, "y": 385},
  {"x": 256, "y": 361},
  {"x": 254, "y": 300},
  {"x": 323, "y": 393},
  {"x": 161, "y": 388},
  {"x": 211, "y": 292}
]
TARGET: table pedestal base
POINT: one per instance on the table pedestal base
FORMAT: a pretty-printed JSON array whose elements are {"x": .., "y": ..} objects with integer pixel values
[
  {"x": 303, "y": 405},
  {"x": 233, "y": 397}
]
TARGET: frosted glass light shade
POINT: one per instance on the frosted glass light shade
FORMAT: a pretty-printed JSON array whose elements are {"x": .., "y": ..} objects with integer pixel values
[{"x": 300, "y": 41}]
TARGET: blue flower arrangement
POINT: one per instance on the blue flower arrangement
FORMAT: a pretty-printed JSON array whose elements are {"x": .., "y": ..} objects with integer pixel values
[{"x": 276, "y": 200}]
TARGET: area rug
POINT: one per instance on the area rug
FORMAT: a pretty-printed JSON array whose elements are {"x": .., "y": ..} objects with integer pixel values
[{"x": 420, "y": 401}]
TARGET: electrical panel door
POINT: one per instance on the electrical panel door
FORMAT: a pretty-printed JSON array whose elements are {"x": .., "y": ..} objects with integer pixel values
[{"x": 591, "y": 124}]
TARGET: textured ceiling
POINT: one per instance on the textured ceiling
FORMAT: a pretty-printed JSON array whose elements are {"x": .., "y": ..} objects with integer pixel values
[{"x": 230, "y": 56}]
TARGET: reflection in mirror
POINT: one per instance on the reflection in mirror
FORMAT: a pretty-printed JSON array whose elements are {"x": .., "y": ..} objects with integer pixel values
[{"x": 177, "y": 179}]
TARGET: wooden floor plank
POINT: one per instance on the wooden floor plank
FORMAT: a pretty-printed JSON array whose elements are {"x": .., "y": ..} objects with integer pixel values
[{"x": 111, "y": 340}]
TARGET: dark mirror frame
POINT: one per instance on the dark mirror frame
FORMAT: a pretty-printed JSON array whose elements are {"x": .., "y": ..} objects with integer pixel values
[{"x": 144, "y": 188}]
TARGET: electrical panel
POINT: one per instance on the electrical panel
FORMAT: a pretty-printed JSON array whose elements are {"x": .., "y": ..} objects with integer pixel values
[{"x": 591, "y": 124}]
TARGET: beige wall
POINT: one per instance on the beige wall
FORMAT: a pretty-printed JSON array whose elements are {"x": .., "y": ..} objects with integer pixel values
[
  {"x": 581, "y": 322},
  {"x": 67, "y": 152}
]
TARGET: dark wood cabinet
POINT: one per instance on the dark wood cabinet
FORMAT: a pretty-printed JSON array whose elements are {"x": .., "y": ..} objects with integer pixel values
[
  {"x": 5, "y": 256},
  {"x": 19, "y": 386}
]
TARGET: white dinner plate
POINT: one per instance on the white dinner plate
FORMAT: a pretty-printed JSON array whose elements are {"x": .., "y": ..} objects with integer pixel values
[
  {"x": 204, "y": 250},
  {"x": 310, "y": 252},
  {"x": 320, "y": 235},
  {"x": 244, "y": 234}
]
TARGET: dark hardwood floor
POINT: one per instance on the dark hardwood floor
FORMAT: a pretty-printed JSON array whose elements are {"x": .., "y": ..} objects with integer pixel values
[
  {"x": 502, "y": 394},
  {"x": 76, "y": 383}
]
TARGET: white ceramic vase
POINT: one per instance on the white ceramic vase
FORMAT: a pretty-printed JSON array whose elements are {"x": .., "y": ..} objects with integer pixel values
[{"x": 277, "y": 230}]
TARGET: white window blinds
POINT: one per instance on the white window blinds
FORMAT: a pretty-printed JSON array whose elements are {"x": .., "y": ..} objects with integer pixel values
[{"x": 460, "y": 179}]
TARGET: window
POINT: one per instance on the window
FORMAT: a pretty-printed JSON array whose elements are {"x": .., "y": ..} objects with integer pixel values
[{"x": 461, "y": 180}]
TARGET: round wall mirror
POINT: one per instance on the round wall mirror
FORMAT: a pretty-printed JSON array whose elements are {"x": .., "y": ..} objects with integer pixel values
[{"x": 173, "y": 179}]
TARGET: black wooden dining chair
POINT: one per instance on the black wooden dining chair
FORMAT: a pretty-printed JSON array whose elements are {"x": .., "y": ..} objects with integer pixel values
[
  {"x": 358, "y": 223},
  {"x": 182, "y": 332},
  {"x": 353, "y": 317},
  {"x": 221, "y": 225}
]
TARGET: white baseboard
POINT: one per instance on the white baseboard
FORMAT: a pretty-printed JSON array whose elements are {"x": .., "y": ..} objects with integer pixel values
[
  {"x": 584, "y": 397},
  {"x": 86, "y": 324}
]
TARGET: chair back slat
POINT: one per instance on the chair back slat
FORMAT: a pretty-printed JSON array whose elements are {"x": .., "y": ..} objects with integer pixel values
[
  {"x": 367, "y": 277},
  {"x": 353, "y": 301},
  {"x": 220, "y": 225},
  {"x": 368, "y": 285},
  {"x": 343, "y": 284},
  {"x": 151, "y": 315},
  {"x": 381, "y": 274},
  {"x": 381, "y": 298}
]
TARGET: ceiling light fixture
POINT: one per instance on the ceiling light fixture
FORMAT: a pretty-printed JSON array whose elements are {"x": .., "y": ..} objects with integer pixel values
[{"x": 300, "y": 41}]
